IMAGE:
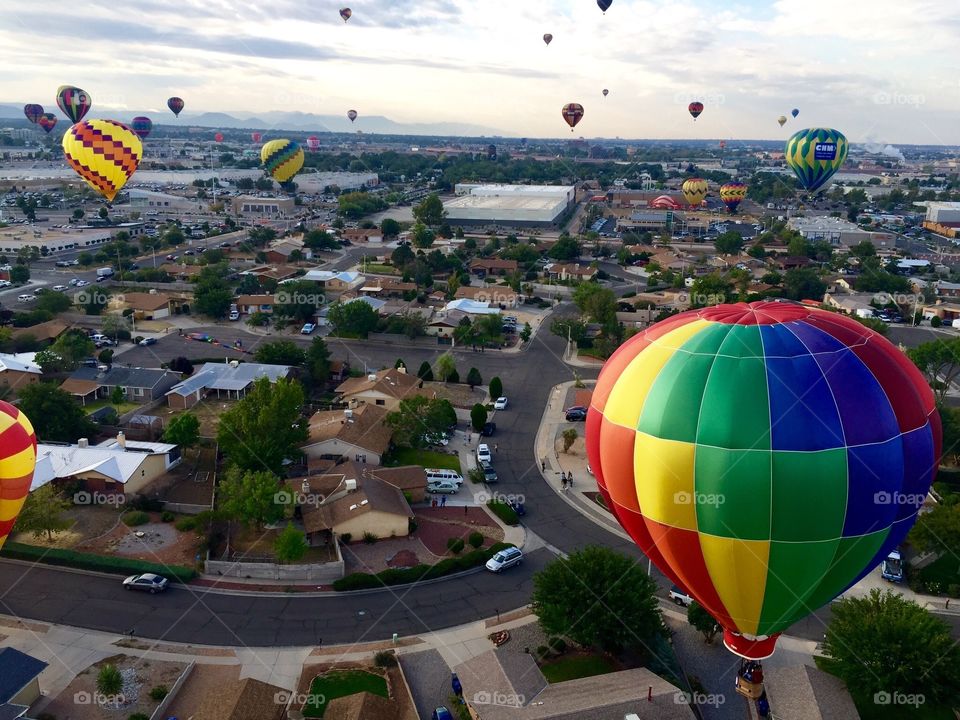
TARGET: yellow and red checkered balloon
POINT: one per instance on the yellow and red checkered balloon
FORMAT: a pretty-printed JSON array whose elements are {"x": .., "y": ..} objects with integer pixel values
[
  {"x": 105, "y": 153},
  {"x": 18, "y": 457}
]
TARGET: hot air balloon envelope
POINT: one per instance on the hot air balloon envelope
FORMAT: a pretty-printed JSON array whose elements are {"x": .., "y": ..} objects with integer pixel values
[
  {"x": 256, "y": 137},
  {"x": 47, "y": 121},
  {"x": 815, "y": 155},
  {"x": 218, "y": 137},
  {"x": 313, "y": 142},
  {"x": 782, "y": 120},
  {"x": 73, "y": 102},
  {"x": 346, "y": 13},
  {"x": 695, "y": 190},
  {"x": 141, "y": 126},
  {"x": 548, "y": 38},
  {"x": 105, "y": 153},
  {"x": 572, "y": 114},
  {"x": 763, "y": 506},
  {"x": 352, "y": 114},
  {"x": 18, "y": 458},
  {"x": 605, "y": 92},
  {"x": 176, "y": 105},
  {"x": 33, "y": 112},
  {"x": 795, "y": 112},
  {"x": 732, "y": 194},
  {"x": 604, "y": 4},
  {"x": 282, "y": 159},
  {"x": 695, "y": 108}
]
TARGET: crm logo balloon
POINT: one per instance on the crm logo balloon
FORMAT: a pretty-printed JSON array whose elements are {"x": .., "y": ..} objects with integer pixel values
[
  {"x": 815, "y": 155},
  {"x": 766, "y": 457},
  {"x": 105, "y": 153},
  {"x": 282, "y": 158},
  {"x": 18, "y": 458}
]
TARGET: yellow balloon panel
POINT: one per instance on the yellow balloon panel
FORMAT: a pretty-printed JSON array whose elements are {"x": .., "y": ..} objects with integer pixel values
[{"x": 105, "y": 153}]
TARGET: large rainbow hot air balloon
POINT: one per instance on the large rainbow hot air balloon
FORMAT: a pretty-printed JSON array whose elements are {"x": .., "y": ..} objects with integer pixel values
[
  {"x": 282, "y": 158},
  {"x": 694, "y": 191},
  {"x": 18, "y": 457},
  {"x": 732, "y": 194},
  {"x": 105, "y": 153},
  {"x": 73, "y": 102},
  {"x": 766, "y": 457},
  {"x": 815, "y": 155}
]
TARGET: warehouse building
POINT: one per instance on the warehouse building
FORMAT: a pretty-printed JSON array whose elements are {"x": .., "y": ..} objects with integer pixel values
[
  {"x": 509, "y": 205},
  {"x": 840, "y": 233}
]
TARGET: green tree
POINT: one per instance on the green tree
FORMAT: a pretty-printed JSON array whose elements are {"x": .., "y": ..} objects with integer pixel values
[
  {"x": 183, "y": 430},
  {"x": 445, "y": 367},
  {"x": 712, "y": 289},
  {"x": 526, "y": 332},
  {"x": 938, "y": 530},
  {"x": 478, "y": 416},
  {"x": 703, "y": 622},
  {"x": 939, "y": 361},
  {"x": 598, "y": 598},
  {"x": 298, "y": 300},
  {"x": 867, "y": 632},
  {"x": 320, "y": 240},
  {"x": 265, "y": 427},
  {"x": 418, "y": 418},
  {"x": 423, "y": 236},
  {"x": 430, "y": 211},
  {"x": 597, "y": 303},
  {"x": 281, "y": 352},
  {"x": 390, "y": 228},
  {"x": 53, "y": 303},
  {"x": 474, "y": 378},
  {"x": 42, "y": 513},
  {"x": 566, "y": 248},
  {"x": 109, "y": 679},
  {"x": 77, "y": 214},
  {"x": 729, "y": 243},
  {"x": 250, "y": 496},
  {"x": 425, "y": 372},
  {"x": 353, "y": 319},
  {"x": 290, "y": 545},
  {"x": 569, "y": 436},
  {"x": 19, "y": 274},
  {"x": 113, "y": 325},
  {"x": 55, "y": 415},
  {"x": 117, "y": 396},
  {"x": 496, "y": 387},
  {"x": 211, "y": 295},
  {"x": 318, "y": 361},
  {"x": 402, "y": 256},
  {"x": 73, "y": 347},
  {"x": 803, "y": 284}
]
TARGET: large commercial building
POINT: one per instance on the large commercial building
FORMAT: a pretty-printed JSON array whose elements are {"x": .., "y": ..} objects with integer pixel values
[
  {"x": 150, "y": 200},
  {"x": 510, "y": 205},
  {"x": 840, "y": 233},
  {"x": 944, "y": 213},
  {"x": 250, "y": 205},
  {"x": 346, "y": 181}
]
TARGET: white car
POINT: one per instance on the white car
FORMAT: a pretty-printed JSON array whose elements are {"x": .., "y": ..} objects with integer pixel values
[
  {"x": 680, "y": 596},
  {"x": 504, "y": 559},
  {"x": 500, "y": 404},
  {"x": 26, "y": 298},
  {"x": 234, "y": 315},
  {"x": 60, "y": 288},
  {"x": 82, "y": 283},
  {"x": 307, "y": 329},
  {"x": 483, "y": 453}
]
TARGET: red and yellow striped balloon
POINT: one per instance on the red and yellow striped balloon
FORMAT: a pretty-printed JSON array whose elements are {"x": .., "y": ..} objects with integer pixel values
[
  {"x": 105, "y": 153},
  {"x": 18, "y": 457}
]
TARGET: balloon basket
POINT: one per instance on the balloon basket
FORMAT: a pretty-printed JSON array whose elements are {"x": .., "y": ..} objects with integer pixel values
[{"x": 753, "y": 691}]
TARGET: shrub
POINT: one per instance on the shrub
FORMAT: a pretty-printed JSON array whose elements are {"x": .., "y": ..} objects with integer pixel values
[
  {"x": 139, "y": 716},
  {"x": 97, "y": 563},
  {"x": 476, "y": 475},
  {"x": 412, "y": 526},
  {"x": 543, "y": 651},
  {"x": 159, "y": 693},
  {"x": 147, "y": 504},
  {"x": 559, "y": 645},
  {"x": 135, "y": 518},
  {"x": 475, "y": 539},
  {"x": 953, "y": 590},
  {"x": 346, "y": 538},
  {"x": 935, "y": 321},
  {"x": 385, "y": 658},
  {"x": 186, "y": 524},
  {"x": 455, "y": 545},
  {"x": 504, "y": 512},
  {"x": 369, "y": 538},
  {"x": 109, "y": 680},
  {"x": 167, "y": 516}
]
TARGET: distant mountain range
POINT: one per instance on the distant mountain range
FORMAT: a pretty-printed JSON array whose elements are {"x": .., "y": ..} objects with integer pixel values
[{"x": 279, "y": 120}]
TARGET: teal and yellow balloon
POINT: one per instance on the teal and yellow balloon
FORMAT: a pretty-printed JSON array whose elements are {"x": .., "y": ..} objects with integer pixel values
[
  {"x": 282, "y": 158},
  {"x": 815, "y": 155}
]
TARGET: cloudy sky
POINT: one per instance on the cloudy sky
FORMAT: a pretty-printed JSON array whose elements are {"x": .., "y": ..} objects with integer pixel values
[{"x": 880, "y": 70}]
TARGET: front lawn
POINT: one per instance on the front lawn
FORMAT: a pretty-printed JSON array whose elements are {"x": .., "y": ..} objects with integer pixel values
[
  {"x": 340, "y": 683},
  {"x": 122, "y": 408},
  {"x": 571, "y": 667},
  {"x": 423, "y": 458},
  {"x": 380, "y": 269}
]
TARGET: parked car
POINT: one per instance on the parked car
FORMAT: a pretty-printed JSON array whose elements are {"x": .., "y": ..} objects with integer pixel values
[
  {"x": 148, "y": 341},
  {"x": 60, "y": 288},
  {"x": 680, "y": 596},
  {"x": 441, "y": 713},
  {"x": 82, "y": 283},
  {"x": 234, "y": 315},
  {"x": 500, "y": 404},
  {"x": 483, "y": 453},
  {"x": 307, "y": 329},
  {"x": 445, "y": 487},
  {"x": 26, "y": 298},
  {"x": 148, "y": 581},
  {"x": 489, "y": 429},
  {"x": 437, "y": 439},
  {"x": 489, "y": 474},
  {"x": 576, "y": 414},
  {"x": 505, "y": 559},
  {"x": 518, "y": 508}
]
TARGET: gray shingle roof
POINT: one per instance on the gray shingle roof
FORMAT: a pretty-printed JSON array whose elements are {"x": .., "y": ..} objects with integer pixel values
[
  {"x": 126, "y": 377},
  {"x": 17, "y": 670}
]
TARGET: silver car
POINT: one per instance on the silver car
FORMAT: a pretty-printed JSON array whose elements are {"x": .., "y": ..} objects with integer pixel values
[{"x": 148, "y": 581}]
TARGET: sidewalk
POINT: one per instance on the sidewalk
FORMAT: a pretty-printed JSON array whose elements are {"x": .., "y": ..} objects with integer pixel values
[{"x": 570, "y": 357}]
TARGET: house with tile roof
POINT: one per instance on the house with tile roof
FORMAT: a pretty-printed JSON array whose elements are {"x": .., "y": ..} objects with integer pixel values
[
  {"x": 18, "y": 370},
  {"x": 384, "y": 388},
  {"x": 359, "y": 434},
  {"x": 362, "y": 706},
  {"x": 357, "y": 506}
]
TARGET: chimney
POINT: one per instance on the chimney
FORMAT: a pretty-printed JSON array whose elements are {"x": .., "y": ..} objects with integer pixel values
[
  {"x": 83, "y": 443},
  {"x": 348, "y": 414},
  {"x": 122, "y": 440},
  {"x": 372, "y": 377},
  {"x": 350, "y": 485},
  {"x": 402, "y": 369}
]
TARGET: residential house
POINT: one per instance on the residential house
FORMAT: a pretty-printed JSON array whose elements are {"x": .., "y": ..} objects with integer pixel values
[
  {"x": 496, "y": 295},
  {"x": 793, "y": 262},
  {"x": 145, "y": 305},
  {"x": 372, "y": 235},
  {"x": 250, "y": 304},
  {"x": 570, "y": 271},
  {"x": 503, "y": 684},
  {"x": 45, "y": 332},
  {"x": 182, "y": 272},
  {"x": 360, "y": 434},
  {"x": 946, "y": 289},
  {"x": 247, "y": 699},
  {"x": 140, "y": 385},
  {"x": 335, "y": 282},
  {"x": 471, "y": 307},
  {"x": 804, "y": 692},
  {"x": 280, "y": 252},
  {"x": 114, "y": 467},
  {"x": 19, "y": 682},
  {"x": 275, "y": 273},
  {"x": 381, "y": 287},
  {"x": 362, "y": 706},
  {"x": 385, "y": 388},
  {"x": 230, "y": 380},
  {"x": 858, "y": 304},
  {"x": 444, "y": 324},
  {"x": 18, "y": 370},
  {"x": 409, "y": 479},
  {"x": 481, "y": 267}
]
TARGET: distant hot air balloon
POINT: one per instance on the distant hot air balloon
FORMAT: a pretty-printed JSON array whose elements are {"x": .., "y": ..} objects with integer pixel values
[
  {"x": 815, "y": 155},
  {"x": 695, "y": 108},
  {"x": 218, "y": 137},
  {"x": 572, "y": 113},
  {"x": 605, "y": 92},
  {"x": 346, "y": 13},
  {"x": 732, "y": 194},
  {"x": 105, "y": 153},
  {"x": 782, "y": 120},
  {"x": 18, "y": 458},
  {"x": 282, "y": 158},
  {"x": 176, "y": 105},
  {"x": 256, "y": 137},
  {"x": 694, "y": 191},
  {"x": 765, "y": 457},
  {"x": 604, "y": 5},
  {"x": 141, "y": 126},
  {"x": 33, "y": 112},
  {"x": 47, "y": 121},
  {"x": 795, "y": 112},
  {"x": 723, "y": 144},
  {"x": 73, "y": 102},
  {"x": 313, "y": 143},
  {"x": 548, "y": 38},
  {"x": 352, "y": 114}
]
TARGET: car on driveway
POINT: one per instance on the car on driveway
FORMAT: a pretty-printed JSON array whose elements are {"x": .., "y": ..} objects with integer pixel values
[
  {"x": 148, "y": 581},
  {"x": 505, "y": 559},
  {"x": 576, "y": 414},
  {"x": 307, "y": 329},
  {"x": 443, "y": 487},
  {"x": 500, "y": 404}
]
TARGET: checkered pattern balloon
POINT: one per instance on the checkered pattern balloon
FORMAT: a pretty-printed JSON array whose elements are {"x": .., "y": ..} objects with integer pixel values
[
  {"x": 18, "y": 457},
  {"x": 105, "y": 153}
]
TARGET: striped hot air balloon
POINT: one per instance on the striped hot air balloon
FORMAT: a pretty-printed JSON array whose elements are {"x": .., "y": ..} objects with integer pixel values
[
  {"x": 48, "y": 121},
  {"x": 282, "y": 158},
  {"x": 73, "y": 102},
  {"x": 732, "y": 194},
  {"x": 815, "y": 155},
  {"x": 142, "y": 126},
  {"x": 694, "y": 191},
  {"x": 18, "y": 457},
  {"x": 105, "y": 153},
  {"x": 766, "y": 457}
]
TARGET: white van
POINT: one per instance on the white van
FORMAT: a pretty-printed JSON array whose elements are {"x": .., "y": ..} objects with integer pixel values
[{"x": 437, "y": 475}]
